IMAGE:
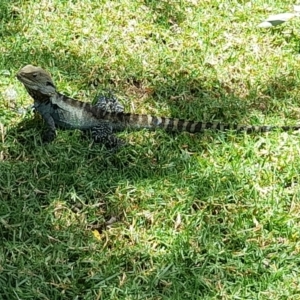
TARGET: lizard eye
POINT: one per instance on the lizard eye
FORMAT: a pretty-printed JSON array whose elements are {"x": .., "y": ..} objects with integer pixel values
[{"x": 34, "y": 75}]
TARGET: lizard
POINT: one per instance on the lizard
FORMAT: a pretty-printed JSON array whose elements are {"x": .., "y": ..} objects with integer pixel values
[{"x": 107, "y": 116}]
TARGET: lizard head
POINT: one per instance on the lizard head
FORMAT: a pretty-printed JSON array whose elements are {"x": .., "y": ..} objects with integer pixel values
[{"x": 36, "y": 79}]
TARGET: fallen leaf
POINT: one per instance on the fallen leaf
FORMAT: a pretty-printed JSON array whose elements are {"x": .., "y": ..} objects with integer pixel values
[{"x": 96, "y": 234}]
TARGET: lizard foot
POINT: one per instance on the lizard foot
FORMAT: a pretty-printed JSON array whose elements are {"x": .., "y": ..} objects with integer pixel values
[
  {"x": 48, "y": 136},
  {"x": 103, "y": 134}
]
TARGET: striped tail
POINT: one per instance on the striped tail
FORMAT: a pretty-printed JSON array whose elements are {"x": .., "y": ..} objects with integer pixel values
[
  {"x": 120, "y": 120},
  {"x": 170, "y": 124}
]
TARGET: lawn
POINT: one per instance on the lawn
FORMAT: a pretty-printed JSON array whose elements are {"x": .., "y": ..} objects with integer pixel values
[{"x": 170, "y": 216}]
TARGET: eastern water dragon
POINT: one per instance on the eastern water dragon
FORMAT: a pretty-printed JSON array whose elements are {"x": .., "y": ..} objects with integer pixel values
[{"x": 107, "y": 116}]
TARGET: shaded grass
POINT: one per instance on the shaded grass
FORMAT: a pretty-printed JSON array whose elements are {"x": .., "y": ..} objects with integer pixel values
[{"x": 210, "y": 216}]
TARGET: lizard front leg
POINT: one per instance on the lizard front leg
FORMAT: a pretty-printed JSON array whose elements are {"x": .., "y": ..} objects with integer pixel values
[
  {"x": 45, "y": 110},
  {"x": 50, "y": 133}
]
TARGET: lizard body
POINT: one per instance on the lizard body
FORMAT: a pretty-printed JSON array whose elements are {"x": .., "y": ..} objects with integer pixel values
[{"x": 107, "y": 116}]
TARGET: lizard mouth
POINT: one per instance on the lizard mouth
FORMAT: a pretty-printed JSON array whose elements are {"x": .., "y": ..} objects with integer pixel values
[
  {"x": 21, "y": 78},
  {"x": 25, "y": 81}
]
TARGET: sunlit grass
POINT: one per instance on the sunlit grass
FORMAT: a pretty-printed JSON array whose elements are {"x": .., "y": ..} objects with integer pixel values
[{"x": 170, "y": 216}]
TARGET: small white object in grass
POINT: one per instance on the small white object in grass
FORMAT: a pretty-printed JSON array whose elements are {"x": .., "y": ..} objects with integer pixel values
[
  {"x": 111, "y": 221},
  {"x": 275, "y": 20},
  {"x": 10, "y": 94},
  {"x": 265, "y": 25},
  {"x": 297, "y": 9}
]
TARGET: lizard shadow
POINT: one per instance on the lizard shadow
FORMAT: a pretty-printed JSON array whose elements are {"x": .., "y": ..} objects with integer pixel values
[
  {"x": 184, "y": 96},
  {"x": 220, "y": 103},
  {"x": 72, "y": 165}
]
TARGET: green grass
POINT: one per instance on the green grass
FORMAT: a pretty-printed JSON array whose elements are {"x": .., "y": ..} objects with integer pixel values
[{"x": 206, "y": 216}]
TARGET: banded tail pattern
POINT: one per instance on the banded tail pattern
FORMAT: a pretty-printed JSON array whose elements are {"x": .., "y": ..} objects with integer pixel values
[
  {"x": 172, "y": 124},
  {"x": 139, "y": 121}
]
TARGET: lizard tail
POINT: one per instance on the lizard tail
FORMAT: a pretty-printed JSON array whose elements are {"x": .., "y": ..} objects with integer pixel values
[{"x": 171, "y": 124}]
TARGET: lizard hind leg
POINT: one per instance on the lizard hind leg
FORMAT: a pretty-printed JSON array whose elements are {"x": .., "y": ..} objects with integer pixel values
[
  {"x": 102, "y": 133},
  {"x": 109, "y": 103}
]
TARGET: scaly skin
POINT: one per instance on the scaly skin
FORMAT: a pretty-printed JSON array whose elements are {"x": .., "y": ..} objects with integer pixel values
[{"x": 60, "y": 110}]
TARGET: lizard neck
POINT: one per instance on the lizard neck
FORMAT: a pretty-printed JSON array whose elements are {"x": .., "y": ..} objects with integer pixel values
[{"x": 38, "y": 96}]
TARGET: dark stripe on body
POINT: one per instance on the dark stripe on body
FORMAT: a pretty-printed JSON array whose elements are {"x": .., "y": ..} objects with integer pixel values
[
  {"x": 188, "y": 126},
  {"x": 180, "y": 124}
]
